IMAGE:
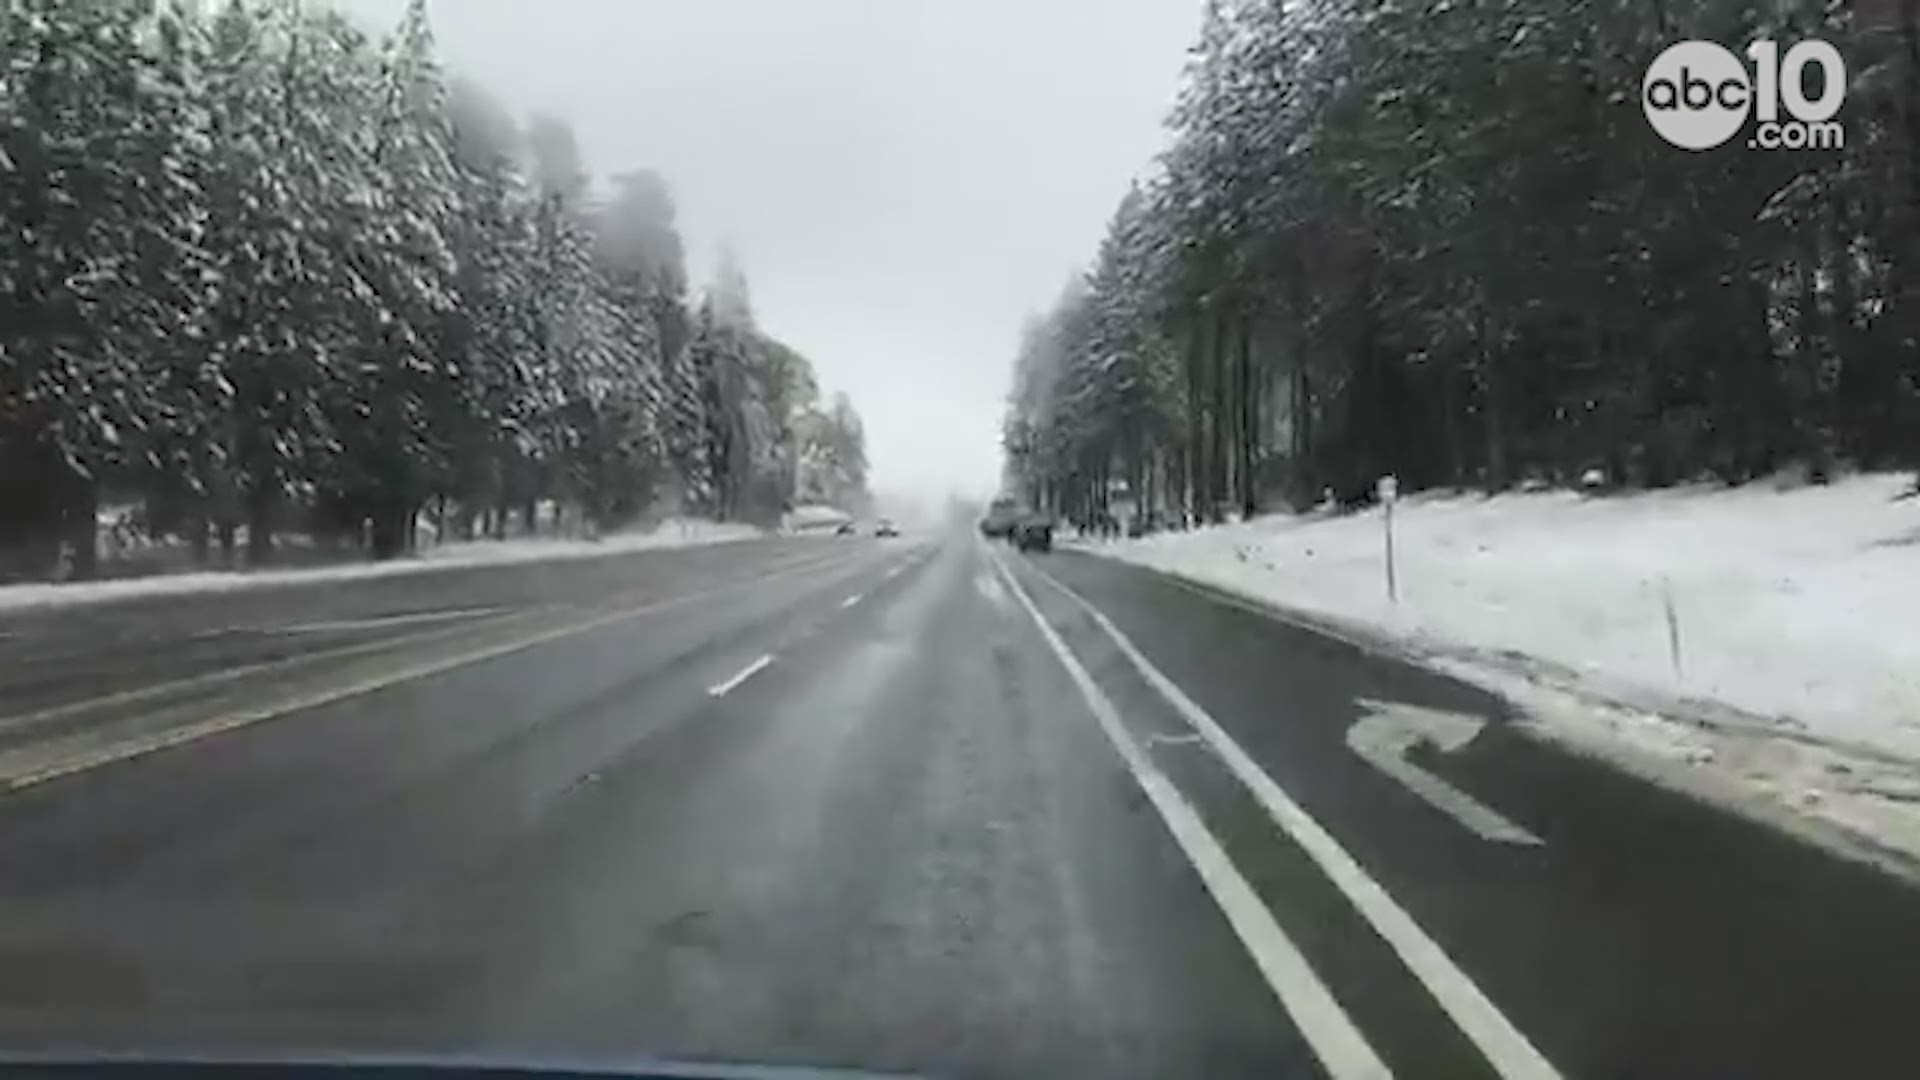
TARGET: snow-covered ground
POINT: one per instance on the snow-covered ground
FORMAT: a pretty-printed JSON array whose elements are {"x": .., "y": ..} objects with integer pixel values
[
  {"x": 1788, "y": 674},
  {"x": 673, "y": 533}
]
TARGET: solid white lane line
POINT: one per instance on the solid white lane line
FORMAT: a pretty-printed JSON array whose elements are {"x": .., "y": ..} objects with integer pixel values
[
  {"x": 1503, "y": 1045},
  {"x": 850, "y": 601},
  {"x": 741, "y": 676},
  {"x": 1339, "y": 1045},
  {"x": 378, "y": 620}
]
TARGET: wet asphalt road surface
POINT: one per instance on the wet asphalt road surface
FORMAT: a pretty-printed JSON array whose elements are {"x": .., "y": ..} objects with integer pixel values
[{"x": 922, "y": 805}]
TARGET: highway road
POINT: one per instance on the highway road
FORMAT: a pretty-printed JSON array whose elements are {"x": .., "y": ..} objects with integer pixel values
[{"x": 921, "y": 805}]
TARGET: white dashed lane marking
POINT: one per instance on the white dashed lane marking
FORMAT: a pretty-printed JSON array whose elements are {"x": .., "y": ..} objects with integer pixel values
[{"x": 733, "y": 683}]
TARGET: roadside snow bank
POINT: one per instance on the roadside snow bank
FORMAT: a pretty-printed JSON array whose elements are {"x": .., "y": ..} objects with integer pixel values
[
  {"x": 1791, "y": 661},
  {"x": 669, "y": 534}
]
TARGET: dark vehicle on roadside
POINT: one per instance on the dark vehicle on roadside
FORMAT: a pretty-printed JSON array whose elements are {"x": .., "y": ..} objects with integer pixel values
[
  {"x": 1002, "y": 515},
  {"x": 846, "y": 529},
  {"x": 1034, "y": 533}
]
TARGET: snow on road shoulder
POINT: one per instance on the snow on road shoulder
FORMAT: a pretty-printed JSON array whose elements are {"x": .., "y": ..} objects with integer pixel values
[
  {"x": 1797, "y": 676},
  {"x": 670, "y": 534}
]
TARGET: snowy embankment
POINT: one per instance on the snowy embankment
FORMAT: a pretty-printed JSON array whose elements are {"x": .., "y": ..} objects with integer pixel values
[
  {"x": 674, "y": 533},
  {"x": 1756, "y": 645}
]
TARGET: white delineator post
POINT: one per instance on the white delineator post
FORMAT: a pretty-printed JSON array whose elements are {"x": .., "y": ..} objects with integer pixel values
[
  {"x": 1388, "y": 489},
  {"x": 1673, "y": 627}
]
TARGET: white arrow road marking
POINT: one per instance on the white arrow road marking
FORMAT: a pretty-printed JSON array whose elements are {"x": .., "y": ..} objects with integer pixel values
[
  {"x": 745, "y": 673},
  {"x": 1390, "y": 729}
]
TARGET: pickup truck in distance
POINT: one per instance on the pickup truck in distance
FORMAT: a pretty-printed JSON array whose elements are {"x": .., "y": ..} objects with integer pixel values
[{"x": 1001, "y": 517}]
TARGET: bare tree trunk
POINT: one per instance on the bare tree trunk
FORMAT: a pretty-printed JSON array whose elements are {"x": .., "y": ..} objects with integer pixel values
[
  {"x": 1143, "y": 492},
  {"x": 1451, "y": 407},
  {"x": 1180, "y": 498},
  {"x": 1196, "y": 429},
  {"x": 1498, "y": 477},
  {"x": 260, "y": 506},
  {"x": 388, "y": 535},
  {"x": 1249, "y": 427},
  {"x": 80, "y": 520},
  {"x": 200, "y": 538},
  {"x": 1226, "y": 410},
  {"x": 1217, "y": 475},
  {"x": 1296, "y": 408}
]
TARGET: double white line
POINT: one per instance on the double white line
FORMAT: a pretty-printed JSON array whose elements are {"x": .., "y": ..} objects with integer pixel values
[{"x": 1336, "y": 1041}]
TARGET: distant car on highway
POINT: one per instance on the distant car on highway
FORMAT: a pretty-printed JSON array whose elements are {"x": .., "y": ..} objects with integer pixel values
[
  {"x": 1034, "y": 533},
  {"x": 886, "y": 528},
  {"x": 846, "y": 529}
]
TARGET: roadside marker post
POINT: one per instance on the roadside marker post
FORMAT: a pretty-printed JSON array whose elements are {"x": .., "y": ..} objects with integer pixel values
[
  {"x": 1388, "y": 490},
  {"x": 1673, "y": 627}
]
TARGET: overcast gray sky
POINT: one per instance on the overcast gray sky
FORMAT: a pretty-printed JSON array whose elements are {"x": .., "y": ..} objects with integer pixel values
[{"x": 902, "y": 179}]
